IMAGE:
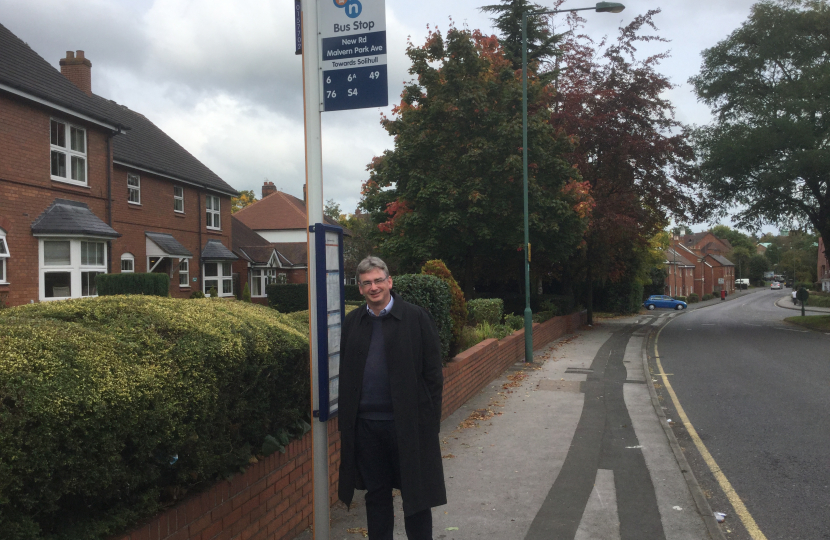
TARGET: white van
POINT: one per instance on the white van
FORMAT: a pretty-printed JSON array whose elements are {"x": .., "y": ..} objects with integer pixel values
[{"x": 741, "y": 283}]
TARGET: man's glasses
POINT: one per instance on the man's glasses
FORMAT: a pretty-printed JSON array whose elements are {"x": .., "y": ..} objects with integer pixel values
[{"x": 377, "y": 281}]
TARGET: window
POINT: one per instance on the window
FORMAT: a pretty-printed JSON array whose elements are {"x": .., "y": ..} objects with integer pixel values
[
  {"x": 68, "y": 161},
  {"x": 178, "y": 199},
  {"x": 218, "y": 275},
  {"x": 127, "y": 263},
  {"x": 69, "y": 267},
  {"x": 4, "y": 254},
  {"x": 212, "y": 208},
  {"x": 184, "y": 273},
  {"x": 133, "y": 188},
  {"x": 260, "y": 277}
]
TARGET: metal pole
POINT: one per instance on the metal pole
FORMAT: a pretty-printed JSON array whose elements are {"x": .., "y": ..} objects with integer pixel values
[
  {"x": 528, "y": 313},
  {"x": 314, "y": 211}
]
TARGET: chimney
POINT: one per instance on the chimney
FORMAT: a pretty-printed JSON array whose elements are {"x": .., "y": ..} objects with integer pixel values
[
  {"x": 304, "y": 192},
  {"x": 78, "y": 70},
  {"x": 268, "y": 188}
]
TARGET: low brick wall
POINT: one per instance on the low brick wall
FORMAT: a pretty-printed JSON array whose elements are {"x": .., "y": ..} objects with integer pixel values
[{"x": 273, "y": 498}]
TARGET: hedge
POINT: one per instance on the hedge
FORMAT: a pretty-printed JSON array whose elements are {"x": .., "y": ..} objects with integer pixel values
[
  {"x": 458, "y": 308},
  {"x": 432, "y": 294},
  {"x": 487, "y": 310},
  {"x": 289, "y": 297},
  {"x": 116, "y": 406},
  {"x": 133, "y": 283}
]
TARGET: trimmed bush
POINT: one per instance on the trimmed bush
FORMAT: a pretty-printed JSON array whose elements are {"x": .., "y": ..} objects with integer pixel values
[
  {"x": 693, "y": 298},
  {"x": 458, "y": 310},
  {"x": 707, "y": 297},
  {"x": 487, "y": 310},
  {"x": 515, "y": 322},
  {"x": 133, "y": 283},
  {"x": 432, "y": 294},
  {"x": 246, "y": 293},
  {"x": 114, "y": 407},
  {"x": 543, "y": 316},
  {"x": 351, "y": 293},
  {"x": 287, "y": 297},
  {"x": 681, "y": 298},
  {"x": 197, "y": 294}
]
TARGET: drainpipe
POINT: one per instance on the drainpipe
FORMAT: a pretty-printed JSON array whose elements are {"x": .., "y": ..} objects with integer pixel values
[
  {"x": 109, "y": 200},
  {"x": 199, "y": 213}
]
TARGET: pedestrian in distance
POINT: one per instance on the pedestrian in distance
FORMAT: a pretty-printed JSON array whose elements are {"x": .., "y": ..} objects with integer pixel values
[
  {"x": 795, "y": 297},
  {"x": 391, "y": 380}
]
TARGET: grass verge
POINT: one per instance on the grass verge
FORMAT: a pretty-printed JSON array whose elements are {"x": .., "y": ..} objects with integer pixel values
[{"x": 815, "y": 322}]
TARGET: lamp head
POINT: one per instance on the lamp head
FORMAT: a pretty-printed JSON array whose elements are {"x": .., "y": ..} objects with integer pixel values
[{"x": 609, "y": 7}]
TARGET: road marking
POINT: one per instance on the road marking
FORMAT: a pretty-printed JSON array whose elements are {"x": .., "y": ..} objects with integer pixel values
[{"x": 734, "y": 499}]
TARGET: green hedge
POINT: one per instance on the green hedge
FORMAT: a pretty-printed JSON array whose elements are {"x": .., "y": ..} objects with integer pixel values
[
  {"x": 133, "y": 283},
  {"x": 116, "y": 406},
  {"x": 693, "y": 298},
  {"x": 487, "y": 310},
  {"x": 352, "y": 293},
  {"x": 289, "y": 297},
  {"x": 432, "y": 294}
]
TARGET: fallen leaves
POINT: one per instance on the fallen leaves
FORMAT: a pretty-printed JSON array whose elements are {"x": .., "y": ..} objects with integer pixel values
[
  {"x": 478, "y": 415},
  {"x": 448, "y": 456},
  {"x": 359, "y": 530},
  {"x": 515, "y": 380}
]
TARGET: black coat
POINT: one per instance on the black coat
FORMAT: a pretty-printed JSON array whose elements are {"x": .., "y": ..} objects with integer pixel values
[{"x": 413, "y": 354}]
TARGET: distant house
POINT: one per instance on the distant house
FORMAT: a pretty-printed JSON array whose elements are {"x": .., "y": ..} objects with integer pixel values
[
  {"x": 278, "y": 217},
  {"x": 261, "y": 262},
  {"x": 713, "y": 271},
  {"x": 679, "y": 274},
  {"x": 88, "y": 186}
]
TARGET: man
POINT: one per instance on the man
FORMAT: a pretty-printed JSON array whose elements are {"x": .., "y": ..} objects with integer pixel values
[{"x": 390, "y": 407}]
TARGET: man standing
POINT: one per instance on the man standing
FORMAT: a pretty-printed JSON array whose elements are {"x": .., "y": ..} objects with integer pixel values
[{"x": 390, "y": 407}]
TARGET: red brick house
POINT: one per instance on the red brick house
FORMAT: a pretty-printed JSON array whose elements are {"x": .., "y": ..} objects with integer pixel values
[
  {"x": 713, "y": 272},
  {"x": 680, "y": 274},
  {"x": 88, "y": 186},
  {"x": 262, "y": 262}
]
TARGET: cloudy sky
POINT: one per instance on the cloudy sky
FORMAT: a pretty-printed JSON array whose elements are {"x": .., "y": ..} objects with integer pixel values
[{"x": 221, "y": 76}]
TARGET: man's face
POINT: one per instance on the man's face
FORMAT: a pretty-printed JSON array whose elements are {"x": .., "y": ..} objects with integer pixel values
[{"x": 376, "y": 287}]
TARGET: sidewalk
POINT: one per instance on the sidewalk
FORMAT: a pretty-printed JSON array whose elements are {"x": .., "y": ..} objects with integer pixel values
[
  {"x": 787, "y": 303},
  {"x": 570, "y": 447}
]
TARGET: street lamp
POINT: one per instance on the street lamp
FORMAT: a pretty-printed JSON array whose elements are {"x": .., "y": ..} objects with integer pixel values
[{"x": 601, "y": 7}]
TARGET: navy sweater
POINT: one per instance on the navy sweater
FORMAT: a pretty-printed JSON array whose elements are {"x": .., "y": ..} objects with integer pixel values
[{"x": 376, "y": 397}]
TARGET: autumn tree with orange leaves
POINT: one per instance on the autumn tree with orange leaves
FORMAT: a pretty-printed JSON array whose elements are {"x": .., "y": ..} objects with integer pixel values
[
  {"x": 452, "y": 187},
  {"x": 630, "y": 149}
]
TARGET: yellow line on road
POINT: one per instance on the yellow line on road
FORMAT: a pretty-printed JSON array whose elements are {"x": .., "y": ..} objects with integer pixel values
[{"x": 725, "y": 485}]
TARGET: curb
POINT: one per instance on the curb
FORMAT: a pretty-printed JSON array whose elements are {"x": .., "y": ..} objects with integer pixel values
[
  {"x": 703, "y": 508},
  {"x": 794, "y": 308}
]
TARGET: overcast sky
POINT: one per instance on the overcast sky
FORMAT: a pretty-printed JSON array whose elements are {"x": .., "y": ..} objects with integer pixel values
[{"x": 222, "y": 79}]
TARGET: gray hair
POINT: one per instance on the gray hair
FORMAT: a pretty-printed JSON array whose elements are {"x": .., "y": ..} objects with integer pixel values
[{"x": 369, "y": 263}]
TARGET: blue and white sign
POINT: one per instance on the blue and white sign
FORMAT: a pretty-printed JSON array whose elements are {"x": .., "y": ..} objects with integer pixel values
[{"x": 353, "y": 54}]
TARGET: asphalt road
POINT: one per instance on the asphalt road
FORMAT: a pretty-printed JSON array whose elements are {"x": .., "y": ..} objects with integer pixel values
[{"x": 757, "y": 391}]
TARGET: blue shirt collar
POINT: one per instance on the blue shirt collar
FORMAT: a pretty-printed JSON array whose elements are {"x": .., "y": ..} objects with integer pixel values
[{"x": 384, "y": 311}]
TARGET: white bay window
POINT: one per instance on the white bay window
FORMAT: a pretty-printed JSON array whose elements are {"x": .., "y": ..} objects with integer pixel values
[
  {"x": 218, "y": 275},
  {"x": 4, "y": 256},
  {"x": 69, "y": 266}
]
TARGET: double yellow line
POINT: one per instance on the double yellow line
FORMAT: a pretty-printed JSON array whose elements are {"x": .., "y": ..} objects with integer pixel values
[{"x": 735, "y": 500}]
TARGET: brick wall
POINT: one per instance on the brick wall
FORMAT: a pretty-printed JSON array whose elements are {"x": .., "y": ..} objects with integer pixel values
[{"x": 273, "y": 498}]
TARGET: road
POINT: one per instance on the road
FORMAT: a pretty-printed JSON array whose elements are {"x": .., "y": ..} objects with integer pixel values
[{"x": 756, "y": 390}]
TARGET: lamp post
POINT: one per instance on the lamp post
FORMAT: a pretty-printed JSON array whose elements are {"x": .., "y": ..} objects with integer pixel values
[{"x": 601, "y": 7}]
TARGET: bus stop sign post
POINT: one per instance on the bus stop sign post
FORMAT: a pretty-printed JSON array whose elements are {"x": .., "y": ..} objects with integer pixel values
[{"x": 343, "y": 46}]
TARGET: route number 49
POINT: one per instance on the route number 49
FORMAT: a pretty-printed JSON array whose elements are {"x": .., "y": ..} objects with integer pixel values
[{"x": 374, "y": 75}]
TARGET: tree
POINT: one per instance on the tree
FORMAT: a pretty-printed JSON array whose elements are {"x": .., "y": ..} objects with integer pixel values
[
  {"x": 541, "y": 42},
  {"x": 452, "y": 187},
  {"x": 630, "y": 149},
  {"x": 735, "y": 237},
  {"x": 740, "y": 257},
  {"x": 758, "y": 264},
  {"x": 332, "y": 210},
  {"x": 360, "y": 244},
  {"x": 768, "y": 84},
  {"x": 246, "y": 198}
]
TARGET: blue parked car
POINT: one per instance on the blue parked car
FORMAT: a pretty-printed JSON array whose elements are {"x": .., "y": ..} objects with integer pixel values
[{"x": 661, "y": 301}]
